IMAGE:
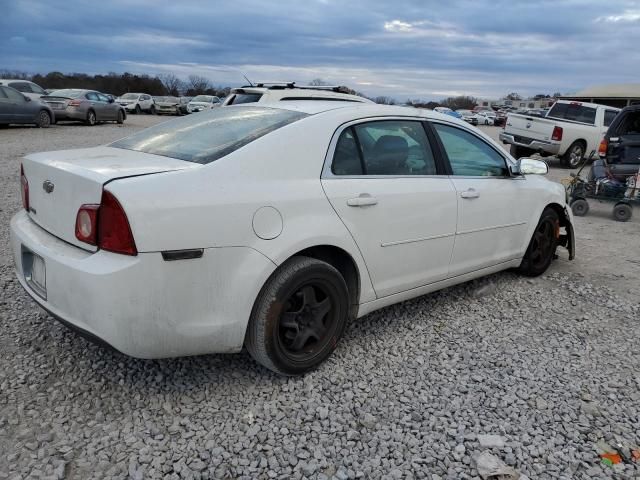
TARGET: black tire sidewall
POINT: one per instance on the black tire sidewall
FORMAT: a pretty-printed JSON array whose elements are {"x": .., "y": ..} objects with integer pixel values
[
  {"x": 138, "y": 110},
  {"x": 580, "y": 202},
  {"x": 526, "y": 268},
  {"x": 95, "y": 119},
  {"x": 263, "y": 340},
  {"x": 622, "y": 207},
  {"x": 120, "y": 117},
  {"x": 40, "y": 124},
  {"x": 567, "y": 156}
]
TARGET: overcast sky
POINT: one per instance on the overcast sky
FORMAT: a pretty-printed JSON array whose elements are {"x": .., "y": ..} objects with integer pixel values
[{"x": 401, "y": 48}]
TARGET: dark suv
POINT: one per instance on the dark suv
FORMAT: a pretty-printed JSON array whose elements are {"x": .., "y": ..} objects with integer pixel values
[{"x": 621, "y": 144}]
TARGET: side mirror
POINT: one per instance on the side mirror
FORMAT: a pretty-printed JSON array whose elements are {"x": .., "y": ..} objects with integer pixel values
[
  {"x": 28, "y": 99},
  {"x": 111, "y": 100},
  {"x": 529, "y": 166}
]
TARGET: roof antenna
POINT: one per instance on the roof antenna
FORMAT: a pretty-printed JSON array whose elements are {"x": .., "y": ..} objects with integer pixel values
[{"x": 245, "y": 77}]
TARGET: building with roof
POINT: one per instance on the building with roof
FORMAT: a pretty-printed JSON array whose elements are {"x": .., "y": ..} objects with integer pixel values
[{"x": 615, "y": 95}]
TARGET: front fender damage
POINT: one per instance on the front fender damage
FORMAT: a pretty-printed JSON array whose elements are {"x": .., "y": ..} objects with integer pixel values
[{"x": 567, "y": 239}]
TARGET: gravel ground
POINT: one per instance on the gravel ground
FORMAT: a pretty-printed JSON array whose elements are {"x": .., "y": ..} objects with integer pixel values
[{"x": 549, "y": 366}]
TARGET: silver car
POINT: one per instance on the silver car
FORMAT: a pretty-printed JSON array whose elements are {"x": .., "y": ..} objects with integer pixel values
[
  {"x": 16, "y": 107},
  {"x": 88, "y": 106}
]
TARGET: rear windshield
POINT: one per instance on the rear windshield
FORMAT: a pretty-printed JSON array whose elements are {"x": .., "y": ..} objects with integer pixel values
[
  {"x": 66, "y": 93},
  {"x": 574, "y": 112},
  {"x": 203, "y": 98},
  {"x": 239, "y": 98},
  {"x": 209, "y": 136},
  {"x": 629, "y": 124}
]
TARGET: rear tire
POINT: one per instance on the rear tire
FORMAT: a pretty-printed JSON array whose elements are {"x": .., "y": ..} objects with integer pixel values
[
  {"x": 580, "y": 207},
  {"x": 298, "y": 317},
  {"x": 152, "y": 110},
  {"x": 542, "y": 248},
  {"x": 574, "y": 155},
  {"x": 91, "y": 118},
  {"x": 138, "y": 110},
  {"x": 44, "y": 119},
  {"x": 622, "y": 212},
  {"x": 120, "y": 117}
]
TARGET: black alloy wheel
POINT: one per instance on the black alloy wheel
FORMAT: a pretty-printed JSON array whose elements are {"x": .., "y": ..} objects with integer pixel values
[
  {"x": 543, "y": 244},
  {"x": 298, "y": 317}
]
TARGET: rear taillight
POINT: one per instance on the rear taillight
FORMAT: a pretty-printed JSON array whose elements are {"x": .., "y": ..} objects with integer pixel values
[
  {"x": 602, "y": 149},
  {"x": 87, "y": 224},
  {"x": 74, "y": 103},
  {"x": 557, "y": 134},
  {"x": 24, "y": 189},
  {"x": 106, "y": 225},
  {"x": 114, "y": 232}
]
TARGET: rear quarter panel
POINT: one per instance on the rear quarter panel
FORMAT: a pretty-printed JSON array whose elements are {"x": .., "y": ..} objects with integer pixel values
[{"x": 214, "y": 206}]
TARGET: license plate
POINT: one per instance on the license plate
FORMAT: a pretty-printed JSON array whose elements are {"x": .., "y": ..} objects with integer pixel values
[{"x": 35, "y": 273}]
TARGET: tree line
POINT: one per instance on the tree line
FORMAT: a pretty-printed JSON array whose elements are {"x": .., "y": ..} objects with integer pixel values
[
  {"x": 120, "y": 83},
  {"x": 170, "y": 84}
]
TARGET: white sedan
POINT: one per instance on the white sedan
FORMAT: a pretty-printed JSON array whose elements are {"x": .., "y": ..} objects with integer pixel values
[{"x": 273, "y": 225}]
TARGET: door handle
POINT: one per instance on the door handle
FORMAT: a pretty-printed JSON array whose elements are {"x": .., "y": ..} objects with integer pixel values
[
  {"x": 363, "y": 200},
  {"x": 470, "y": 193}
]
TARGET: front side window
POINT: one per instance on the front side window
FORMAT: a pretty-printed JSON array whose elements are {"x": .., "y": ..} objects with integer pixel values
[
  {"x": 469, "y": 155},
  {"x": 37, "y": 89},
  {"x": 390, "y": 147},
  {"x": 211, "y": 135},
  {"x": 93, "y": 96}
]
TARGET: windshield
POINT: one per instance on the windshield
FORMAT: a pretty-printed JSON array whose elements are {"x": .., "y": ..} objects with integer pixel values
[
  {"x": 67, "y": 93},
  {"x": 166, "y": 99},
  {"x": 209, "y": 136},
  {"x": 203, "y": 98},
  {"x": 130, "y": 96}
]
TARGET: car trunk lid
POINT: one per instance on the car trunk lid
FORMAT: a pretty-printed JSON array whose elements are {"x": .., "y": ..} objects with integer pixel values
[{"x": 60, "y": 182}]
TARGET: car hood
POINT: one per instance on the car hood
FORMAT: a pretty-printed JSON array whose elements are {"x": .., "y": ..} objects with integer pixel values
[{"x": 166, "y": 104}]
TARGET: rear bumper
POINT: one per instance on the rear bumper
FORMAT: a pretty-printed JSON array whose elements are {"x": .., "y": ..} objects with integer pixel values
[
  {"x": 538, "y": 145},
  {"x": 144, "y": 306}
]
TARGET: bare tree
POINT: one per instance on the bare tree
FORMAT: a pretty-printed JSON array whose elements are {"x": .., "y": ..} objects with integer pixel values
[
  {"x": 463, "y": 101},
  {"x": 385, "y": 100},
  {"x": 513, "y": 96},
  {"x": 197, "y": 85},
  {"x": 172, "y": 84},
  {"x": 318, "y": 82}
]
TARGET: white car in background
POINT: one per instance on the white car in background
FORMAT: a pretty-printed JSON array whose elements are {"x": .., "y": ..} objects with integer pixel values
[
  {"x": 284, "y": 222},
  {"x": 27, "y": 88},
  {"x": 485, "y": 117},
  {"x": 137, "y": 103},
  {"x": 203, "y": 102},
  {"x": 277, "y": 92}
]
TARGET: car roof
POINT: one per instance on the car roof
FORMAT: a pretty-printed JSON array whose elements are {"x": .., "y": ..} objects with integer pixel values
[
  {"x": 359, "y": 110},
  {"x": 14, "y": 80}
]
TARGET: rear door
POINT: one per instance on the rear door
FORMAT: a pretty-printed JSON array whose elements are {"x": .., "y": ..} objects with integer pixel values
[
  {"x": 98, "y": 107},
  {"x": 385, "y": 183},
  {"x": 109, "y": 110},
  {"x": 491, "y": 227}
]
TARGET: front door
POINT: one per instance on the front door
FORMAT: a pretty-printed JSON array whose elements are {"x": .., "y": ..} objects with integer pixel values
[
  {"x": 491, "y": 226},
  {"x": 386, "y": 186}
]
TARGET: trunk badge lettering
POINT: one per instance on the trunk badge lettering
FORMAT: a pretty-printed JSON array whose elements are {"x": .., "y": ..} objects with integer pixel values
[{"x": 47, "y": 186}]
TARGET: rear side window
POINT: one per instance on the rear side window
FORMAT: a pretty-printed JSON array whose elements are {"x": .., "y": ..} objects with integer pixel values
[
  {"x": 210, "y": 135},
  {"x": 23, "y": 87},
  {"x": 609, "y": 115},
  {"x": 3, "y": 95},
  {"x": 239, "y": 98},
  {"x": 574, "y": 112},
  {"x": 469, "y": 155},
  {"x": 393, "y": 147}
]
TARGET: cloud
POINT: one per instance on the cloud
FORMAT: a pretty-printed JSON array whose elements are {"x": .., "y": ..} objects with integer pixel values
[
  {"x": 627, "y": 16},
  {"x": 404, "y": 48}
]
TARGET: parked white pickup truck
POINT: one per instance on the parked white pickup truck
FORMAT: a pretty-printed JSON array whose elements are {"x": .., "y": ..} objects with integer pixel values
[{"x": 570, "y": 130}]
